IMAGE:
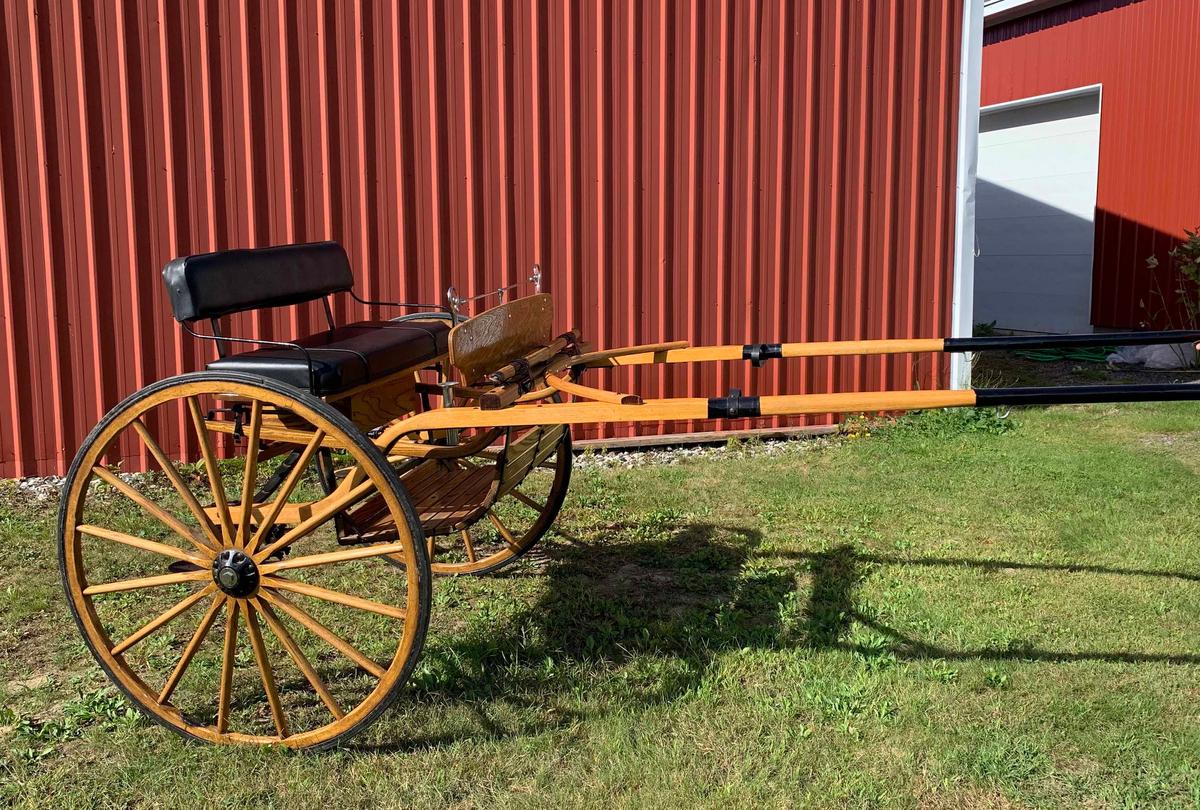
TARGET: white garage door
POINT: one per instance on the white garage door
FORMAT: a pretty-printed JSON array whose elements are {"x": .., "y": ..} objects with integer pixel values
[{"x": 1035, "y": 208}]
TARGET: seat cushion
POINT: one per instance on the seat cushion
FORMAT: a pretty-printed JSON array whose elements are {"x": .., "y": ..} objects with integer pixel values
[{"x": 346, "y": 356}]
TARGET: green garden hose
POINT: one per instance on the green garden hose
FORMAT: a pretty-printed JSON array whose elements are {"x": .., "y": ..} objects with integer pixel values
[{"x": 1093, "y": 355}]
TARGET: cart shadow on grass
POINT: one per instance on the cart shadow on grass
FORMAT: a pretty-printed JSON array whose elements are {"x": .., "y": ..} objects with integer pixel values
[{"x": 667, "y": 608}]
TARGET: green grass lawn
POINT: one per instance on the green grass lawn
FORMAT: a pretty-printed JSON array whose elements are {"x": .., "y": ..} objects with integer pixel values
[{"x": 954, "y": 612}]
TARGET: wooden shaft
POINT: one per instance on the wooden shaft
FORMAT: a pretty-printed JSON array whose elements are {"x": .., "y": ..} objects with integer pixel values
[
  {"x": 500, "y": 397},
  {"x": 737, "y": 352},
  {"x": 655, "y": 410},
  {"x": 591, "y": 358},
  {"x": 596, "y": 394},
  {"x": 536, "y": 357}
]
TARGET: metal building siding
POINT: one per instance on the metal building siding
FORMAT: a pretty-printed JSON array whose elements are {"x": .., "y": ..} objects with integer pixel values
[
  {"x": 1148, "y": 174},
  {"x": 719, "y": 171}
]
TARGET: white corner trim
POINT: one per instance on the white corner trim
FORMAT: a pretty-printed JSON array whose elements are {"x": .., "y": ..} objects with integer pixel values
[
  {"x": 1058, "y": 95},
  {"x": 996, "y": 11},
  {"x": 970, "y": 73}
]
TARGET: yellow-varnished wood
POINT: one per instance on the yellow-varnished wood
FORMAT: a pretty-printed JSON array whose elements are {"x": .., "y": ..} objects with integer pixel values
[
  {"x": 144, "y": 544},
  {"x": 298, "y": 658},
  {"x": 489, "y": 340},
  {"x": 141, "y": 583},
  {"x": 654, "y": 410},
  {"x": 317, "y": 592},
  {"x": 381, "y": 404},
  {"x": 228, "y": 658},
  {"x": 734, "y": 352},
  {"x": 130, "y": 674},
  {"x": 321, "y": 631},
  {"x": 215, "y": 482},
  {"x": 265, "y": 670},
  {"x": 151, "y": 508},
  {"x": 586, "y": 392},
  {"x": 189, "y": 650},
  {"x": 331, "y": 557},
  {"x": 285, "y": 491},
  {"x": 652, "y": 350},
  {"x": 249, "y": 474},
  {"x": 279, "y": 434},
  {"x": 185, "y": 494},
  {"x": 164, "y": 618},
  {"x": 321, "y": 511},
  {"x": 289, "y": 513},
  {"x": 504, "y": 532}
]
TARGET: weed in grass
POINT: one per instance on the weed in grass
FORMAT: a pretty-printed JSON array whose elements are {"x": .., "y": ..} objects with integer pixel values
[
  {"x": 949, "y": 423},
  {"x": 996, "y": 678}
]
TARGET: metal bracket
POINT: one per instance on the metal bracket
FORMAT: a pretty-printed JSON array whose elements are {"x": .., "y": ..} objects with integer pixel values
[{"x": 733, "y": 406}]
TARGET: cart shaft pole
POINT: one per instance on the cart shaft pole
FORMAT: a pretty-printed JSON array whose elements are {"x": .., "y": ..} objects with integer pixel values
[
  {"x": 758, "y": 353},
  {"x": 658, "y": 410}
]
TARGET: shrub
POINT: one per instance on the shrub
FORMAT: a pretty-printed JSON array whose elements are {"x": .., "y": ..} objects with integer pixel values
[{"x": 1185, "y": 266}]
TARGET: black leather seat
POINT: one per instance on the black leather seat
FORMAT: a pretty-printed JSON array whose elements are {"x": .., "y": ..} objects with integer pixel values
[
  {"x": 212, "y": 285},
  {"x": 346, "y": 356}
]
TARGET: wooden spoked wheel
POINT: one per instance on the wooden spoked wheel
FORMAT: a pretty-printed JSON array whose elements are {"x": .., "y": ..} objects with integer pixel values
[
  {"x": 215, "y": 594},
  {"x": 526, "y": 504}
]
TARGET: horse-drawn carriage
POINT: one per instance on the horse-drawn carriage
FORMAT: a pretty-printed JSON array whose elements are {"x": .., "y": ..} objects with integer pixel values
[{"x": 275, "y": 587}]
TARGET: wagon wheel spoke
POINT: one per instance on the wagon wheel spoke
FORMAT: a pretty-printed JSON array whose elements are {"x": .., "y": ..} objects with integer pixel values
[
  {"x": 285, "y": 491},
  {"x": 214, "y": 471},
  {"x": 265, "y": 671},
  {"x": 142, "y": 543},
  {"x": 181, "y": 487},
  {"x": 317, "y": 592},
  {"x": 322, "y": 511},
  {"x": 468, "y": 544},
  {"x": 525, "y": 499},
  {"x": 298, "y": 657},
  {"x": 150, "y": 507},
  {"x": 228, "y": 653},
  {"x": 249, "y": 477},
  {"x": 331, "y": 557},
  {"x": 189, "y": 652},
  {"x": 504, "y": 532},
  {"x": 163, "y": 619},
  {"x": 322, "y": 632},
  {"x": 141, "y": 583}
]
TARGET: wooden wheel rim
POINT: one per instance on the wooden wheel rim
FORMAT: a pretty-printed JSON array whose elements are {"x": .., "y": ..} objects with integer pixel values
[
  {"x": 377, "y": 471},
  {"x": 545, "y": 518}
]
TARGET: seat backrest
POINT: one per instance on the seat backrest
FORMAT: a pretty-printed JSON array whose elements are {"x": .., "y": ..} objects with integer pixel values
[
  {"x": 209, "y": 285},
  {"x": 500, "y": 335}
]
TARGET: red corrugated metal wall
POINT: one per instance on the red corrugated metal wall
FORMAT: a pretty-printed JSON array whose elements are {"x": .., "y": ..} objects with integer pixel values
[
  {"x": 1141, "y": 51},
  {"x": 720, "y": 171}
]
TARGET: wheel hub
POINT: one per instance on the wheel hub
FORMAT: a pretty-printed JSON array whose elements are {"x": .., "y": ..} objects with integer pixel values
[{"x": 235, "y": 573}]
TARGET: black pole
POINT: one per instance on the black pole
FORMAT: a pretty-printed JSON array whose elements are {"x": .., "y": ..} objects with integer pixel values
[
  {"x": 980, "y": 344},
  {"x": 1087, "y": 394}
]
